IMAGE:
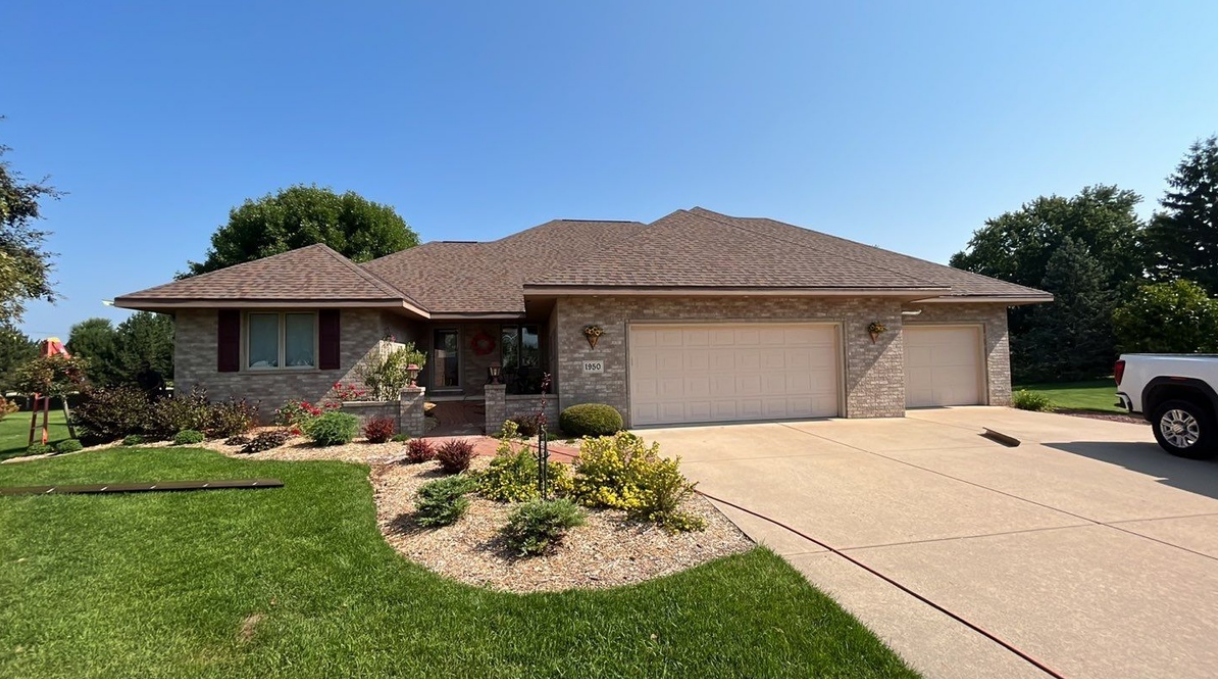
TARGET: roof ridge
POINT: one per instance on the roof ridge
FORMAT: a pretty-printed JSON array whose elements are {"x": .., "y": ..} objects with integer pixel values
[
  {"x": 368, "y": 276},
  {"x": 902, "y": 255},
  {"x": 806, "y": 246}
]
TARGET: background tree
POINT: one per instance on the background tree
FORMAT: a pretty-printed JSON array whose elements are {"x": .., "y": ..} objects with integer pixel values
[
  {"x": 25, "y": 266},
  {"x": 304, "y": 215},
  {"x": 1174, "y": 317},
  {"x": 1097, "y": 230},
  {"x": 1077, "y": 325},
  {"x": 124, "y": 354},
  {"x": 16, "y": 349},
  {"x": 95, "y": 340},
  {"x": 1182, "y": 239}
]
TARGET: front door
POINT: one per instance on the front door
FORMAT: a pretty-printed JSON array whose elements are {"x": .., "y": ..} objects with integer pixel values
[{"x": 445, "y": 360}]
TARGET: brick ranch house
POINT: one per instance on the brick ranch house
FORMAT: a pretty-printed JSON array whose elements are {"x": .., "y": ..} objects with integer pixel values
[{"x": 702, "y": 318}]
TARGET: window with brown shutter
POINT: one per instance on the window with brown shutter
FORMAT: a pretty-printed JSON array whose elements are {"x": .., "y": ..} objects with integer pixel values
[
  {"x": 328, "y": 335},
  {"x": 228, "y": 344}
]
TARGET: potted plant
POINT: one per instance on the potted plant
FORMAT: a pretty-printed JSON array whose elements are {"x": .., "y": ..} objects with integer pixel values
[{"x": 593, "y": 333}]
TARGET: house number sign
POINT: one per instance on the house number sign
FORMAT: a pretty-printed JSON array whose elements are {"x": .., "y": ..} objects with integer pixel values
[{"x": 594, "y": 366}]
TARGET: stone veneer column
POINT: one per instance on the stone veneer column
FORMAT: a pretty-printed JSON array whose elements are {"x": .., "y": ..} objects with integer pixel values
[
  {"x": 412, "y": 401},
  {"x": 496, "y": 407}
]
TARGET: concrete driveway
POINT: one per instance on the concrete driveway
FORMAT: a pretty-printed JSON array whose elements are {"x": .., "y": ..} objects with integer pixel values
[{"x": 1087, "y": 547}]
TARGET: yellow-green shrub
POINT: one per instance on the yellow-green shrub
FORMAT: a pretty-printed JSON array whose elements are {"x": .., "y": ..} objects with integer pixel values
[
  {"x": 512, "y": 474},
  {"x": 623, "y": 472}
]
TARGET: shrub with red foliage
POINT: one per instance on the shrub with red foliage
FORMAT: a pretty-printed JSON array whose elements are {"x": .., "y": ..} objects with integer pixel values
[
  {"x": 419, "y": 450},
  {"x": 455, "y": 456},
  {"x": 379, "y": 429}
]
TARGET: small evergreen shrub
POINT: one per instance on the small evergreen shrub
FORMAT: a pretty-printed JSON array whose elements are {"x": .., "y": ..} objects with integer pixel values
[
  {"x": 590, "y": 419},
  {"x": 400, "y": 438},
  {"x": 188, "y": 437},
  {"x": 238, "y": 440},
  {"x": 266, "y": 441},
  {"x": 69, "y": 446},
  {"x": 379, "y": 429},
  {"x": 455, "y": 456},
  {"x": 1031, "y": 400},
  {"x": 133, "y": 440},
  {"x": 332, "y": 428},
  {"x": 39, "y": 449},
  {"x": 442, "y": 502},
  {"x": 419, "y": 450},
  {"x": 538, "y": 527}
]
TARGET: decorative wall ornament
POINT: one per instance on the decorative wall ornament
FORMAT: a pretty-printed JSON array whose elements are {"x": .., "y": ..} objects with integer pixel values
[
  {"x": 593, "y": 333},
  {"x": 482, "y": 344},
  {"x": 875, "y": 330}
]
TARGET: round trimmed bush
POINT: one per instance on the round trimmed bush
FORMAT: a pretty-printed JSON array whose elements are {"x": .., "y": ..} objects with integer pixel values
[
  {"x": 188, "y": 437},
  {"x": 68, "y": 446},
  {"x": 590, "y": 419},
  {"x": 39, "y": 449},
  {"x": 332, "y": 428},
  {"x": 133, "y": 440}
]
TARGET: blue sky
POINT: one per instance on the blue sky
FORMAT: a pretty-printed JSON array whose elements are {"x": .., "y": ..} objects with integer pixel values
[{"x": 903, "y": 125}]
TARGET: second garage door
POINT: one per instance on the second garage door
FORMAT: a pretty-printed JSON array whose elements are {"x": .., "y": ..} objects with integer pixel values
[
  {"x": 942, "y": 366},
  {"x": 722, "y": 373}
]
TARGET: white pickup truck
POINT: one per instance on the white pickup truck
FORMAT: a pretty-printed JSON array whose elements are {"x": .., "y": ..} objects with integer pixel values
[{"x": 1177, "y": 394}]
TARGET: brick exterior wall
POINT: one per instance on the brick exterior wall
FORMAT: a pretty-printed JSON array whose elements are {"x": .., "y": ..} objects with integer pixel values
[
  {"x": 195, "y": 361},
  {"x": 993, "y": 319},
  {"x": 874, "y": 379}
]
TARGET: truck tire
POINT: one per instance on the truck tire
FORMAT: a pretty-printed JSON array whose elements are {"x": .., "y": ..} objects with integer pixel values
[{"x": 1186, "y": 429}]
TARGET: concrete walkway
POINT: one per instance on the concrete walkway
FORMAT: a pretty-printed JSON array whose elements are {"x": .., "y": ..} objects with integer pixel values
[{"x": 1087, "y": 547}]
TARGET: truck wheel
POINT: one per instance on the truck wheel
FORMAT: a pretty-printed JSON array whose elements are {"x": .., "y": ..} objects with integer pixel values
[{"x": 1185, "y": 429}]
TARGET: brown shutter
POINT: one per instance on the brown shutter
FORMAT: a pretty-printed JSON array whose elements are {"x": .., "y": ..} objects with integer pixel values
[
  {"x": 328, "y": 334},
  {"x": 228, "y": 352}
]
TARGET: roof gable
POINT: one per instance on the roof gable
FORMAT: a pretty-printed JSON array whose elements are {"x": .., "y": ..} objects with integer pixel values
[{"x": 312, "y": 273}]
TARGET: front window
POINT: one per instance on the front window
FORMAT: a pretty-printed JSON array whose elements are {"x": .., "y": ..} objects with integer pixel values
[
  {"x": 445, "y": 365},
  {"x": 521, "y": 358},
  {"x": 281, "y": 340}
]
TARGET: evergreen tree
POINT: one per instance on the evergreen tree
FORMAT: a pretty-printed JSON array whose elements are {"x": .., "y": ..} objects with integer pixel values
[{"x": 1183, "y": 239}]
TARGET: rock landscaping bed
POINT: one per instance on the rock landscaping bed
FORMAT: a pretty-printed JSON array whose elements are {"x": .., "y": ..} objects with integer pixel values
[{"x": 609, "y": 550}]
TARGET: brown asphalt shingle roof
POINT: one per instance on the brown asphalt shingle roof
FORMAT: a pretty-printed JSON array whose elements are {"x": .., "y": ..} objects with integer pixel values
[
  {"x": 313, "y": 273},
  {"x": 695, "y": 249}
]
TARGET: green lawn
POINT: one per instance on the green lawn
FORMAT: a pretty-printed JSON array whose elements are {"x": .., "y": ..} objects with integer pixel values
[
  {"x": 160, "y": 585},
  {"x": 15, "y": 432},
  {"x": 1096, "y": 395}
]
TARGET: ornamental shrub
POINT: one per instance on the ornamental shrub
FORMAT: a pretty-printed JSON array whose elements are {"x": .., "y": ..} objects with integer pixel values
[
  {"x": 590, "y": 419},
  {"x": 266, "y": 441},
  {"x": 1031, "y": 400},
  {"x": 39, "y": 449},
  {"x": 622, "y": 472},
  {"x": 109, "y": 414},
  {"x": 133, "y": 440},
  {"x": 538, "y": 527},
  {"x": 526, "y": 425},
  {"x": 379, "y": 429},
  {"x": 442, "y": 502},
  {"x": 233, "y": 417},
  {"x": 332, "y": 428},
  {"x": 238, "y": 440},
  {"x": 512, "y": 474},
  {"x": 69, "y": 446},
  {"x": 455, "y": 456},
  {"x": 400, "y": 438},
  {"x": 191, "y": 411},
  {"x": 419, "y": 450},
  {"x": 296, "y": 412},
  {"x": 188, "y": 437}
]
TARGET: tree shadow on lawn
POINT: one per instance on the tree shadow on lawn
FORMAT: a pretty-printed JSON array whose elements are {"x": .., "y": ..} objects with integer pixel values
[{"x": 1194, "y": 476}]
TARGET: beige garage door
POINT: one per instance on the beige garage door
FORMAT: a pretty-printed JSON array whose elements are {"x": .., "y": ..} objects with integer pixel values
[
  {"x": 942, "y": 366},
  {"x": 724, "y": 373}
]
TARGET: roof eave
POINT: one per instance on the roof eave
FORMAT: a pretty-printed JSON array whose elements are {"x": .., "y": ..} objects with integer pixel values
[
  {"x": 1009, "y": 300},
  {"x": 170, "y": 304},
  {"x": 536, "y": 290}
]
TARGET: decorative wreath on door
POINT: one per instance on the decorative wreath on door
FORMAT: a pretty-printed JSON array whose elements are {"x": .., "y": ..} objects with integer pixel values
[{"x": 482, "y": 344}]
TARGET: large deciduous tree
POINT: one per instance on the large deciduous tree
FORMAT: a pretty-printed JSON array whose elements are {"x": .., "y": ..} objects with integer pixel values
[
  {"x": 1173, "y": 317},
  {"x": 25, "y": 264},
  {"x": 1085, "y": 250},
  {"x": 95, "y": 341},
  {"x": 304, "y": 215},
  {"x": 16, "y": 349},
  {"x": 1182, "y": 239}
]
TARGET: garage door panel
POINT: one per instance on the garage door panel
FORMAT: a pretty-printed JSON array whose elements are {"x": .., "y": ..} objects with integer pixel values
[
  {"x": 722, "y": 373},
  {"x": 943, "y": 366}
]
